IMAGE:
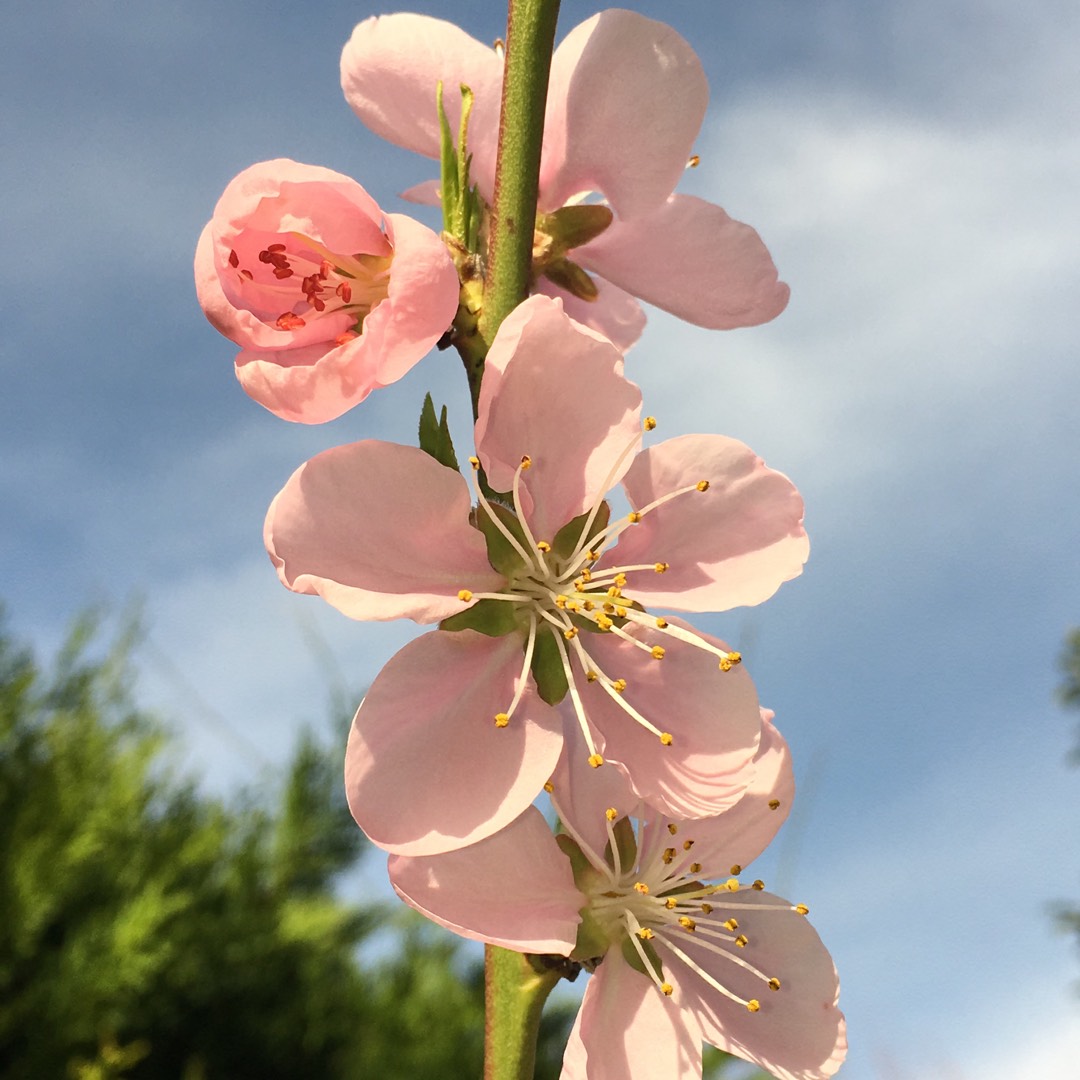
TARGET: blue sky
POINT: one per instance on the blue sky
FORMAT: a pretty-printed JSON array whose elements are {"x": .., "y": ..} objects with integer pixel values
[{"x": 915, "y": 170}]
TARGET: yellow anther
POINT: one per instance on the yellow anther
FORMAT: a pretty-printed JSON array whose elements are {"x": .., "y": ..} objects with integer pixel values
[
  {"x": 609, "y": 607},
  {"x": 695, "y": 868},
  {"x": 687, "y": 923},
  {"x": 702, "y": 485},
  {"x": 758, "y": 885},
  {"x": 592, "y": 555},
  {"x": 669, "y": 855},
  {"x": 621, "y": 612},
  {"x": 694, "y": 162},
  {"x": 464, "y": 594},
  {"x": 801, "y": 909},
  {"x": 604, "y": 622},
  {"x": 611, "y": 813},
  {"x": 753, "y": 1005},
  {"x": 641, "y": 887},
  {"x": 619, "y": 685},
  {"x": 774, "y": 804},
  {"x": 687, "y": 845},
  {"x": 736, "y": 869},
  {"x": 586, "y": 574},
  {"x": 571, "y": 633},
  {"x": 742, "y": 941},
  {"x": 661, "y": 567},
  {"x": 543, "y": 545},
  {"x": 707, "y": 908},
  {"x": 671, "y": 903},
  {"x": 526, "y": 462},
  {"x": 672, "y": 828},
  {"x": 732, "y": 925},
  {"x": 633, "y": 517},
  {"x": 661, "y": 624},
  {"x": 591, "y": 676},
  {"x": 560, "y": 602},
  {"x": 620, "y": 579},
  {"x": 589, "y": 605},
  {"x": 732, "y": 884},
  {"x": 667, "y": 989},
  {"x": 595, "y": 760},
  {"x": 726, "y": 663},
  {"x": 501, "y": 719},
  {"x": 735, "y": 657},
  {"x": 665, "y": 738},
  {"x": 645, "y": 934},
  {"x": 474, "y": 462},
  {"x": 649, "y": 424},
  {"x": 614, "y": 592},
  {"x": 549, "y": 787},
  {"x": 774, "y": 984}
]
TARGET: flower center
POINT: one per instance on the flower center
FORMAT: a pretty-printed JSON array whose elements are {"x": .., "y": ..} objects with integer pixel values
[
  {"x": 293, "y": 280},
  {"x": 562, "y": 599},
  {"x": 644, "y": 896}
]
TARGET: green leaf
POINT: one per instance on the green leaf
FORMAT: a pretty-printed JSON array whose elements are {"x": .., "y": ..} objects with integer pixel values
[
  {"x": 435, "y": 435},
  {"x": 568, "y": 537},
  {"x": 449, "y": 189},
  {"x": 501, "y": 553},
  {"x": 572, "y": 226},
  {"x": 496, "y": 618},
  {"x": 547, "y": 667}
]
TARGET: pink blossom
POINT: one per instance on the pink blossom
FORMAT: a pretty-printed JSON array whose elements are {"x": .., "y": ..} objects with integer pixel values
[
  {"x": 677, "y": 959},
  {"x": 626, "y": 101},
  {"x": 327, "y": 297},
  {"x": 547, "y": 598}
]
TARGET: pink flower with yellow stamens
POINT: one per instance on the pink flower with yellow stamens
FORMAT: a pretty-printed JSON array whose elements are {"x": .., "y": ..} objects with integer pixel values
[
  {"x": 625, "y": 104},
  {"x": 327, "y": 297},
  {"x": 678, "y": 957},
  {"x": 542, "y": 595}
]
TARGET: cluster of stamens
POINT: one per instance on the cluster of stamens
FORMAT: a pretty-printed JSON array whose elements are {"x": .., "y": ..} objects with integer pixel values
[
  {"x": 327, "y": 283},
  {"x": 646, "y": 891},
  {"x": 569, "y": 594}
]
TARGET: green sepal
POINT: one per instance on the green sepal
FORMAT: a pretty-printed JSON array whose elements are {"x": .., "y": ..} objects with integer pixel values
[
  {"x": 569, "y": 536},
  {"x": 572, "y": 226},
  {"x": 547, "y": 667},
  {"x": 631, "y": 956},
  {"x": 626, "y": 842},
  {"x": 461, "y": 206},
  {"x": 496, "y": 618},
  {"x": 435, "y": 435},
  {"x": 591, "y": 942},
  {"x": 686, "y": 887},
  {"x": 500, "y": 551},
  {"x": 569, "y": 276},
  {"x": 449, "y": 187}
]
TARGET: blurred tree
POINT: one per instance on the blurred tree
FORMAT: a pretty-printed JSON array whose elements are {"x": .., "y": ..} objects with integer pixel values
[
  {"x": 1068, "y": 915},
  {"x": 149, "y": 931}
]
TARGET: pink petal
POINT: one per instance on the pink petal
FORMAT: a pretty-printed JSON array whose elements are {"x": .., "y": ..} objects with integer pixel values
[
  {"x": 426, "y": 769},
  {"x": 625, "y": 104},
  {"x": 390, "y": 67},
  {"x": 614, "y": 313},
  {"x": 712, "y": 715},
  {"x": 628, "y": 1030},
  {"x": 513, "y": 889},
  {"x": 380, "y": 531},
  {"x": 688, "y": 257},
  {"x": 739, "y": 835},
  {"x": 734, "y": 544},
  {"x": 555, "y": 391},
  {"x": 426, "y": 193},
  {"x": 799, "y": 1033}
]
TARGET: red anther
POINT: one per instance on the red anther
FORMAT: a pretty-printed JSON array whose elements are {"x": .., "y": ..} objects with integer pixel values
[
  {"x": 326, "y": 268},
  {"x": 343, "y": 339},
  {"x": 234, "y": 259},
  {"x": 282, "y": 272},
  {"x": 289, "y": 321},
  {"x": 276, "y": 247},
  {"x": 247, "y": 274},
  {"x": 265, "y": 256},
  {"x": 344, "y": 290}
]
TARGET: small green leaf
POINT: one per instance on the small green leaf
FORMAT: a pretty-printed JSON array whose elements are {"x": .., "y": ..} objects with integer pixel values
[
  {"x": 496, "y": 618},
  {"x": 449, "y": 191},
  {"x": 569, "y": 276},
  {"x": 569, "y": 536},
  {"x": 547, "y": 667},
  {"x": 501, "y": 553},
  {"x": 435, "y": 435},
  {"x": 572, "y": 226}
]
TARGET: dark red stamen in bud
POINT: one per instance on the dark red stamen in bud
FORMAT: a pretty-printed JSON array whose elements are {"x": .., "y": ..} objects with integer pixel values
[
  {"x": 289, "y": 321},
  {"x": 234, "y": 259}
]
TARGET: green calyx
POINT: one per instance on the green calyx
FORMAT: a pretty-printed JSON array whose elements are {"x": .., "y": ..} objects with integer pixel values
[{"x": 558, "y": 233}]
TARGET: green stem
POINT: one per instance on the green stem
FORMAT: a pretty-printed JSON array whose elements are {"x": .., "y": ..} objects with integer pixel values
[
  {"x": 515, "y": 989},
  {"x": 530, "y": 38}
]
